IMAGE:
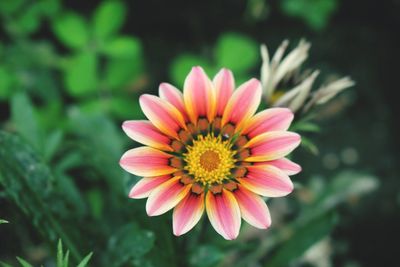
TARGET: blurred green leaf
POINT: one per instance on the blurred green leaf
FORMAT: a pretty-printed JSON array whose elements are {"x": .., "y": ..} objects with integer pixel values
[
  {"x": 23, "y": 262},
  {"x": 124, "y": 107},
  {"x": 29, "y": 184},
  {"x": 128, "y": 243},
  {"x": 85, "y": 261},
  {"x": 316, "y": 13},
  {"x": 206, "y": 256},
  {"x": 3, "y": 264},
  {"x": 108, "y": 18},
  {"x": 302, "y": 238},
  {"x": 122, "y": 71},
  {"x": 49, "y": 7},
  {"x": 60, "y": 254},
  {"x": 236, "y": 52},
  {"x": 182, "y": 65},
  {"x": 123, "y": 46},
  {"x": 305, "y": 127},
  {"x": 81, "y": 75},
  {"x": 5, "y": 82},
  {"x": 53, "y": 142},
  {"x": 29, "y": 21},
  {"x": 309, "y": 145},
  {"x": 9, "y": 7},
  {"x": 3, "y": 221},
  {"x": 96, "y": 202},
  {"x": 71, "y": 29},
  {"x": 23, "y": 117}
]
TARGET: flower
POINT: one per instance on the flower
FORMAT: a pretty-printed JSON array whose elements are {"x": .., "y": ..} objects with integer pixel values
[
  {"x": 284, "y": 85},
  {"x": 206, "y": 150}
]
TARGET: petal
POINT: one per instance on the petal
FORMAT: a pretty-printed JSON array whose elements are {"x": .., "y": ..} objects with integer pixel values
[
  {"x": 145, "y": 133},
  {"x": 146, "y": 161},
  {"x": 199, "y": 95},
  {"x": 143, "y": 188},
  {"x": 224, "y": 84},
  {"x": 224, "y": 213},
  {"x": 252, "y": 208},
  {"x": 166, "y": 196},
  {"x": 272, "y": 145},
  {"x": 273, "y": 119},
  {"x": 162, "y": 114},
  {"x": 284, "y": 164},
  {"x": 243, "y": 103},
  {"x": 174, "y": 96},
  {"x": 188, "y": 213},
  {"x": 267, "y": 180}
]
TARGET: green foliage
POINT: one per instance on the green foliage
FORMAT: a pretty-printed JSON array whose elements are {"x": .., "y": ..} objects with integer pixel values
[
  {"x": 71, "y": 29},
  {"x": 3, "y": 221},
  {"x": 232, "y": 50},
  {"x": 81, "y": 74},
  {"x": 236, "y": 52},
  {"x": 302, "y": 239},
  {"x": 316, "y": 13},
  {"x": 108, "y": 18}
]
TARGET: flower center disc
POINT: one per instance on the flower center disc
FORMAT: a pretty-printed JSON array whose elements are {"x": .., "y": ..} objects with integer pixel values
[{"x": 209, "y": 160}]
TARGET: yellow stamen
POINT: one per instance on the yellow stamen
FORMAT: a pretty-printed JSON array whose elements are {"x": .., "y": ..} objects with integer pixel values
[{"x": 209, "y": 160}]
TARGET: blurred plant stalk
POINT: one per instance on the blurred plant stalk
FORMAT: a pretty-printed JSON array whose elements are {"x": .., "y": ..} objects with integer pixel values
[{"x": 285, "y": 84}]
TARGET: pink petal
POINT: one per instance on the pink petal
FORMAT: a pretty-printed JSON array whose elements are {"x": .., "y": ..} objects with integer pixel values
[
  {"x": 143, "y": 188},
  {"x": 224, "y": 213},
  {"x": 224, "y": 84},
  {"x": 273, "y": 119},
  {"x": 146, "y": 161},
  {"x": 188, "y": 213},
  {"x": 162, "y": 114},
  {"x": 252, "y": 208},
  {"x": 145, "y": 133},
  {"x": 166, "y": 196},
  {"x": 199, "y": 95},
  {"x": 174, "y": 96},
  {"x": 267, "y": 180},
  {"x": 272, "y": 145},
  {"x": 243, "y": 103},
  {"x": 284, "y": 164}
]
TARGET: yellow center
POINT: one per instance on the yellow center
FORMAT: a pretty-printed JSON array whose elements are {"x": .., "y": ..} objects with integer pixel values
[{"x": 209, "y": 160}]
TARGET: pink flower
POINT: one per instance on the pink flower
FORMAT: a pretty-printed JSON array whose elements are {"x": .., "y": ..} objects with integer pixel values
[{"x": 206, "y": 149}]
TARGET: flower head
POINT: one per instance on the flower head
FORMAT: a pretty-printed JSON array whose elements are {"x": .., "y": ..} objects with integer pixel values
[
  {"x": 286, "y": 85},
  {"x": 206, "y": 149}
]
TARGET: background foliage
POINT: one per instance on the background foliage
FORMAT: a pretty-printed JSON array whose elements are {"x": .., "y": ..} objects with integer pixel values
[{"x": 72, "y": 71}]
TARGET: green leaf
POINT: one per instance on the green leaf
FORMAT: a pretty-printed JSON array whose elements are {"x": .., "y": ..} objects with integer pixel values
[
  {"x": 5, "y": 82},
  {"x": 65, "y": 262},
  {"x": 29, "y": 184},
  {"x": 81, "y": 74},
  {"x": 206, "y": 256},
  {"x": 124, "y": 107},
  {"x": 49, "y": 8},
  {"x": 123, "y": 46},
  {"x": 53, "y": 142},
  {"x": 236, "y": 52},
  {"x": 23, "y": 117},
  {"x": 29, "y": 21},
  {"x": 3, "y": 264},
  {"x": 122, "y": 71},
  {"x": 23, "y": 262},
  {"x": 108, "y": 18},
  {"x": 8, "y": 7},
  {"x": 71, "y": 29},
  {"x": 128, "y": 243},
  {"x": 60, "y": 254},
  {"x": 85, "y": 261},
  {"x": 305, "y": 127},
  {"x": 182, "y": 65},
  {"x": 316, "y": 13},
  {"x": 303, "y": 238},
  {"x": 3, "y": 221},
  {"x": 309, "y": 145}
]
